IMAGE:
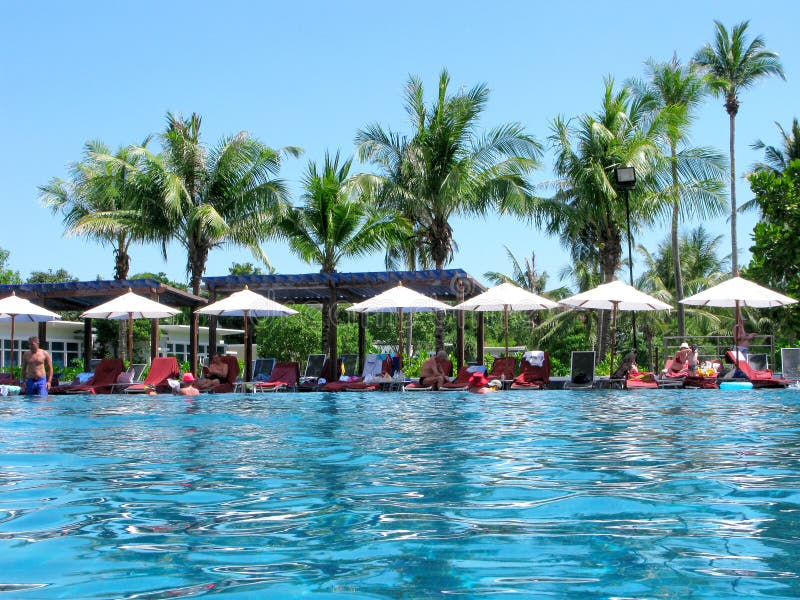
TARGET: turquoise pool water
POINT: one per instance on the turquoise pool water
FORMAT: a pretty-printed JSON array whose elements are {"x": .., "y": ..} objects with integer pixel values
[{"x": 652, "y": 494}]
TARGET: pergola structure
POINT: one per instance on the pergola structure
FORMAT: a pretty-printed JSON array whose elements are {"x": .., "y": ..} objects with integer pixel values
[
  {"x": 82, "y": 295},
  {"x": 445, "y": 285}
]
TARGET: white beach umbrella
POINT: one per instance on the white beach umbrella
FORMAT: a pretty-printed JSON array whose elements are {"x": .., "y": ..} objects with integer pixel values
[
  {"x": 246, "y": 303},
  {"x": 506, "y": 297},
  {"x": 737, "y": 292},
  {"x": 15, "y": 309},
  {"x": 130, "y": 306},
  {"x": 614, "y": 296},
  {"x": 400, "y": 300}
]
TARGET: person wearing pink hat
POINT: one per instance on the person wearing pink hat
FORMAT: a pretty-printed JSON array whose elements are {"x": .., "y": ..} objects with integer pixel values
[
  {"x": 479, "y": 384},
  {"x": 187, "y": 386}
]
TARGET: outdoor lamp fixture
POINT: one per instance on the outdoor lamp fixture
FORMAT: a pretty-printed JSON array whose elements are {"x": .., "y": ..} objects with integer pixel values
[{"x": 626, "y": 179}]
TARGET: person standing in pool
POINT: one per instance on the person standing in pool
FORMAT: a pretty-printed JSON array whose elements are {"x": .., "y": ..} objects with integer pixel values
[
  {"x": 741, "y": 339},
  {"x": 37, "y": 369}
]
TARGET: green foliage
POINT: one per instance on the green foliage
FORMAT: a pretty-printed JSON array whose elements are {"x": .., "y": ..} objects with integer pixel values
[
  {"x": 290, "y": 338},
  {"x": 245, "y": 269},
  {"x": 6, "y": 274},
  {"x": 162, "y": 277},
  {"x": 775, "y": 259},
  {"x": 50, "y": 276}
]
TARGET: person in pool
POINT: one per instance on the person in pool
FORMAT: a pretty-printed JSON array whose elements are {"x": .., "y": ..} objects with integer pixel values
[
  {"x": 37, "y": 368},
  {"x": 478, "y": 384},
  {"x": 187, "y": 386}
]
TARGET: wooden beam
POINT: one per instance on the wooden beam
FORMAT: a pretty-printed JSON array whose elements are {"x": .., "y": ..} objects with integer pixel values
[
  {"x": 480, "y": 341},
  {"x": 87, "y": 343}
]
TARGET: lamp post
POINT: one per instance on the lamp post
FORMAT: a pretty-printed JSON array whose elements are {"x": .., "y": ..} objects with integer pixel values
[{"x": 626, "y": 180}]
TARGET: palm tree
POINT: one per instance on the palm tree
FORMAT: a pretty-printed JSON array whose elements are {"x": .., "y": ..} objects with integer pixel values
[
  {"x": 334, "y": 223},
  {"x": 734, "y": 65},
  {"x": 203, "y": 198},
  {"x": 445, "y": 168},
  {"x": 777, "y": 159},
  {"x": 693, "y": 183},
  {"x": 102, "y": 183},
  {"x": 701, "y": 267},
  {"x": 586, "y": 212}
]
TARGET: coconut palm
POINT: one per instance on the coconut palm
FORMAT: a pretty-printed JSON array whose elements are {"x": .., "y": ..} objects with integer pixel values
[
  {"x": 202, "y": 198},
  {"x": 101, "y": 184},
  {"x": 734, "y": 65},
  {"x": 334, "y": 223},
  {"x": 692, "y": 184},
  {"x": 777, "y": 159},
  {"x": 586, "y": 213},
  {"x": 446, "y": 168}
]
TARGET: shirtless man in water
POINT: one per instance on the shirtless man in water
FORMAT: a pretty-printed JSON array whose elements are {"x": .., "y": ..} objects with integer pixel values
[{"x": 37, "y": 369}]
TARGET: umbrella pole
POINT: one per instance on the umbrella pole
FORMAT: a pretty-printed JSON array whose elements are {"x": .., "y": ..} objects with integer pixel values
[
  {"x": 130, "y": 337},
  {"x": 505, "y": 319},
  {"x": 400, "y": 333},
  {"x": 613, "y": 337},
  {"x": 246, "y": 349},
  {"x": 13, "y": 352}
]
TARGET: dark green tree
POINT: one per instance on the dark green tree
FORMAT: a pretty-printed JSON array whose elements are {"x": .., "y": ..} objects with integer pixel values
[
  {"x": 775, "y": 260},
  {"x": 7, "y": 275}
]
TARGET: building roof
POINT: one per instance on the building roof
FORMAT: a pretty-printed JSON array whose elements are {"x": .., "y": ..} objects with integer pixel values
[
  {"x": 81, "y": 295},
  {"x": 443, "y": 284}
]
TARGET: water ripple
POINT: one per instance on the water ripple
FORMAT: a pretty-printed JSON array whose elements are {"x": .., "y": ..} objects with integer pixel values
[{"x": 554, "y": 494}]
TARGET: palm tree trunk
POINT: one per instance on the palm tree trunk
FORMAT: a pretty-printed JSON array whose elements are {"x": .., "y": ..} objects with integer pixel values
[
  {"x": 325, "y": 325},
  {"x": 734, "y": 255},
  {"x": 676, "y": 252}
]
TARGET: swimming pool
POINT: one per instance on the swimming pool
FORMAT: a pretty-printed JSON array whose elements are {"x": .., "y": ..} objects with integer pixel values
[{"x": 684, "y": 494}]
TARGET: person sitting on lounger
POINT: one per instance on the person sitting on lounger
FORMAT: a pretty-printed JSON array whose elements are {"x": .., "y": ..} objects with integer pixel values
[
  {"x": 628, "y": 362},
  {"x": 741, "y": 339},
  {"x": 216, "y": 373},
  {"x": 431, "y": 374},
  {"x": 680, "y": 363}
]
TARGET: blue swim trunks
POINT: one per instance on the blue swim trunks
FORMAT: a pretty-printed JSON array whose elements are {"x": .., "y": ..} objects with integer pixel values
[{"x": 36, "y": 387}]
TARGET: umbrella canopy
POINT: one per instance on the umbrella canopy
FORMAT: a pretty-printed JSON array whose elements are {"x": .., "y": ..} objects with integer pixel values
[
  {"x": 506, "y": 297},
  {"x": 246, "y": 303},
  {"x": 735, "y": 293},
  {"x": 130, "y": 306},
  {"x": 399, "y": 299},
  {"x": 614, "y": 296},
  {"x": 738, "y": 292},
  {"x": 15, "y": 309}
]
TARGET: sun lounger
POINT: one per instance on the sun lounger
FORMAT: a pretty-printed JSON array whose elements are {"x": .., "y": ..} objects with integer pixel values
[
  {"x": 759, "y": 378},
  {"x": 262, "y": 369},
  {"x": 460, "y": 383},
  {"x": 503, "y": 369},
  {"x": 533, "y": 376},
  {"x": 102, "y": 382},
  {"x": 161, "y": 369},
  {"x": 285, "y": 375},
  {"x": 376, "y": 367},
  {"x": 581, "y": 370}
]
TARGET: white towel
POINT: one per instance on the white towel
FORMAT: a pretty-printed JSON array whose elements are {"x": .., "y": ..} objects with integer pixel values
[{"x": 534, "y": 357}]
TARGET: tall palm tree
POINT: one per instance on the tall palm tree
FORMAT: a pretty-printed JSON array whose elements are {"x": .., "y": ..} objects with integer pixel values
[
  {"x": 203, "y": 198},
  {"x": 102, "y": 183},
  {"x": 776, "y": 159},
  {"x": 334, "y": 222},
  {"x": 446, "y": 168},
  {"x": 734, "y": 65},
  {"x": 693, "y": 184},
  {"x": 586, "y": 212}
]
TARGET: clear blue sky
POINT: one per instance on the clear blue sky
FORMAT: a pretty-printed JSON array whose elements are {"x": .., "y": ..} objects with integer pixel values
[{"x": 311, "y": 73}]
